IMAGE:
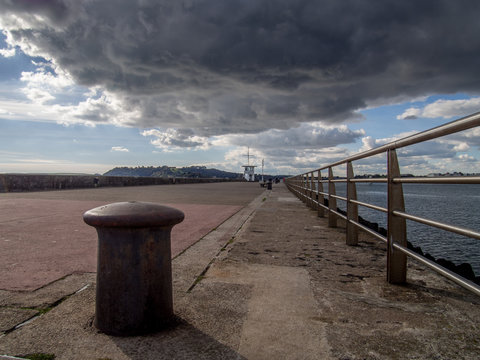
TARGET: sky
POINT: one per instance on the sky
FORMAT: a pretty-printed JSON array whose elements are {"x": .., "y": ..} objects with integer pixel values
[{"x": 86, "y": 86}]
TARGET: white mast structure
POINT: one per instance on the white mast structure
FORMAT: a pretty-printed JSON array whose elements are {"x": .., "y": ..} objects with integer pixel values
[
  {"x": 249, "y": 170},
  {"x": 262, "y": 169}
]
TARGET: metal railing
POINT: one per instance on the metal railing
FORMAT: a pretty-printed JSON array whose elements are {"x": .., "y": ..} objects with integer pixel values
[{"x": 309, "y": 188}]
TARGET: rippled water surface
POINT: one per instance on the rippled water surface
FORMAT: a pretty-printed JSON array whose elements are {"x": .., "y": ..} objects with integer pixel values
[{"x": 452, "y": 204}]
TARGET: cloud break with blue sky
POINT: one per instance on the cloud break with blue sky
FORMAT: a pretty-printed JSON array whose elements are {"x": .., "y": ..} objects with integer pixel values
[{"x": 89, "y": 85}]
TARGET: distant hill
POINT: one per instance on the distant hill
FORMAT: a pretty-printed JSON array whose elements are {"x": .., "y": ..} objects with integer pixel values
[{"x": 169, "y": 172}]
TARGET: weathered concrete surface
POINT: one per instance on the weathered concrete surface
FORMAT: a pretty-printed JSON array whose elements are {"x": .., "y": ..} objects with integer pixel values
[
  {"x": 43, "y": 237},
  {"x": 288, "y": 287},
  {"x": 281, "y": 314},
  {"x": 66, "y": 329},
  {"x": 217, "y": 193},
  {"x": 363, "y": 316}
]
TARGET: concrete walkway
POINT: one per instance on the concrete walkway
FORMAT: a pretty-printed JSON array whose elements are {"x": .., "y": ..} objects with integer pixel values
[
  {"x": 43, "y": 237},
  {"x": 271, "y": 282}
]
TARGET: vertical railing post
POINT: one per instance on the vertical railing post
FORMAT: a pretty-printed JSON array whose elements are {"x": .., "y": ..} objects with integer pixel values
[
  {"x": 307, "y": 182},
  {"x": 293, "y": 183},
  {"x": 296, "y": 183},
  {"x": 320, "y": 211},
  {"x": 301, "y": 182},
  {"x": 332, "y": 202},
  {"x": 310, "y": 194},
  {"x": 297, "y": 186},
  {"x": 397, "y": 227},
  {"x": 307, "y": 189},
  {"x": 304, "y": 186},
  {"x": 352, "y": 209}
]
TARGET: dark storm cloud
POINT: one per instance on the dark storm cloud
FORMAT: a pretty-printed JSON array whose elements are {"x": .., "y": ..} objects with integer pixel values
[
  {"x": 239, "y": 66},
  {"x": 305, "y": 136}
]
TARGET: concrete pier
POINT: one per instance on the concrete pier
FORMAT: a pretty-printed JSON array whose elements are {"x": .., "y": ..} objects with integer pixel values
[{"x": 269, "y": 280}]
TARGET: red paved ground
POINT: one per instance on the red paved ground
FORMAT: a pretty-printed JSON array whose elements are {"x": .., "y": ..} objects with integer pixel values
[{"x": 42, "y": 240}]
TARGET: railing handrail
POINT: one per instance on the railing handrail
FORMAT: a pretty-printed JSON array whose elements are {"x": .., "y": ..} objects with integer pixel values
[
  {"x": 449, "y": 128},
  {"x": 303, "y": 186}
]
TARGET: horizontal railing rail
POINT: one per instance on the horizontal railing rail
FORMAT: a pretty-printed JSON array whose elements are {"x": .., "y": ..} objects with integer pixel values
[{"x": 309, "y": 187}]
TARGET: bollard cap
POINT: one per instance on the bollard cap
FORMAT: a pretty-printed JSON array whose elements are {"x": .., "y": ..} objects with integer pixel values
[{"x": 133, "y": 214}]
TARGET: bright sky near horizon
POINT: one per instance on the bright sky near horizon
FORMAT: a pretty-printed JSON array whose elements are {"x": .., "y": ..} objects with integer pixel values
[{"x": 89, "y": 85}]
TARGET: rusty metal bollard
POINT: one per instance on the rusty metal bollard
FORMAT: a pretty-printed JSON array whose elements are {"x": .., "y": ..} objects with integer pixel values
[{"x": 134, "y": 267}]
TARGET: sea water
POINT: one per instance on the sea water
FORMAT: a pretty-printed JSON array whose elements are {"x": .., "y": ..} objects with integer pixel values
[{"x": 452, "y": 204}]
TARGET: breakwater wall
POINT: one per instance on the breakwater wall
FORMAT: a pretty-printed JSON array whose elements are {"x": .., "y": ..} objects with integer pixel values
[{"x": 42, "y": 182}]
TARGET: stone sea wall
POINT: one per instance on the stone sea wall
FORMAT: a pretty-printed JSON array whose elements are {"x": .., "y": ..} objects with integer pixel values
[{"x": 42, "y": 182}]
